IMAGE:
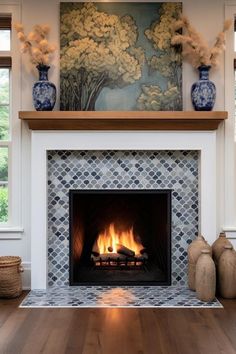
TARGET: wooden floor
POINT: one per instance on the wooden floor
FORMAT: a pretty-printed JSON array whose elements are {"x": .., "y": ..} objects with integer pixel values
[{"x": 117, "y": 331}]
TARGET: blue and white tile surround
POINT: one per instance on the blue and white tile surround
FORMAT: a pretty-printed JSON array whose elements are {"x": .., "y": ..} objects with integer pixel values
[
  {"x": 176, "y": 170},
  {"x": 110, "y": 296}
]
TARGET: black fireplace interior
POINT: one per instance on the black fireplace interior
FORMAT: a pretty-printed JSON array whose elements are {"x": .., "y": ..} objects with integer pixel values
[{"x": 120, "y": 237}]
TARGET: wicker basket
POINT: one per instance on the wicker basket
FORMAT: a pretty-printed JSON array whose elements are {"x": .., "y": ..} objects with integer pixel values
[{"x": 10, "y": 277}]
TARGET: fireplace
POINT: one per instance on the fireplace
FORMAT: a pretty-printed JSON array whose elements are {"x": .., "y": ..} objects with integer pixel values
[
  {"x": 177, "y": 160},
  {"x": 120, "y": 237}
]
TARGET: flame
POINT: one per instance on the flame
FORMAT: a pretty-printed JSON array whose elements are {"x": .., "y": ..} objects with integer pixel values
[{"x": 111, "y": 237}]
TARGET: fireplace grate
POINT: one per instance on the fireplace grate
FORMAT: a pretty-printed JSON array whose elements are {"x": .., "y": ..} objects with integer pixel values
[{"x": 110, "y": 262}]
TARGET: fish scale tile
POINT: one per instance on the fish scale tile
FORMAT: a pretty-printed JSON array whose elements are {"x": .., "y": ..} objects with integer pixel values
[
  {"x": 110, "y": 296},
  {"x": 175, "y": 170}
]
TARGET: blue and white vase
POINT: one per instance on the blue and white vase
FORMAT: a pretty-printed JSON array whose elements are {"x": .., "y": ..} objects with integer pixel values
[
  {"x": 44, "y": 91},
  {"x": 203, "y": 92}
]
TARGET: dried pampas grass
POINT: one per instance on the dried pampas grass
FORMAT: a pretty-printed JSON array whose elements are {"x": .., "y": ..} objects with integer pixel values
[
  {"x": 195, "y": 49},
  {"x": 36, "y": 43}
]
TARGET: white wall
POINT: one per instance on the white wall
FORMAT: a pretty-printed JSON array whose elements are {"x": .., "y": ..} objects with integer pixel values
[{"x": 207, "y": 16}]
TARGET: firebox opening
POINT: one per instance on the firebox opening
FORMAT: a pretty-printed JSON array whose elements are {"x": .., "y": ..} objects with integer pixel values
[{"x": 120, "y": 237}]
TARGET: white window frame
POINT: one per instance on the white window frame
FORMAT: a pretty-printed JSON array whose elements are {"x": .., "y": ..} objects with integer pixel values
[
  {"x": 13, "y": 228},
  {"x": 229, "y": 131}
]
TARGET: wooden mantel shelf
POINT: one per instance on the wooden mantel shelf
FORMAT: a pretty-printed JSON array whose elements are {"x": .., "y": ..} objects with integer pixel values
[{"x": 123, "y": 120}]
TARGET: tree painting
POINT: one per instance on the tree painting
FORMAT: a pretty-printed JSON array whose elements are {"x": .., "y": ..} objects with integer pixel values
[
  {"x": 167, "y": 62},
  {"x": 99, "y": 50},
  {"x": 110, "y": 59}
]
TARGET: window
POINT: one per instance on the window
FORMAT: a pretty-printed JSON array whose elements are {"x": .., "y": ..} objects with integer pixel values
[
  {"x": 5, "y": 33},
  {"x": 5, "y": 136},
  {"x": 10, "y": 126}
]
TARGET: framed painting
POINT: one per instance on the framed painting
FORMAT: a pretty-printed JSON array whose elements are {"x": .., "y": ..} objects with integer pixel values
[{"x": 118, "y": 56}]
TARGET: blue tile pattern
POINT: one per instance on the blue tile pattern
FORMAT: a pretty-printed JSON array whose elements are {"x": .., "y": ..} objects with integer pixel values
[
  {"x": 176, "y": 170},
  {"x": 110, "y": 296}
]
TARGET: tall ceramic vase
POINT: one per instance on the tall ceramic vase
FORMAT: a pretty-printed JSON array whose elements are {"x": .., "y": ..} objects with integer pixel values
[
  {"x": 194, "y": 251},
  {"x": 44, "y": 91},
  {"x": 203, "y": 92},
  {"x": 205, "y": 277},
  {"x": 218, "y": 247},
  {"x": 227, "y": 273}
]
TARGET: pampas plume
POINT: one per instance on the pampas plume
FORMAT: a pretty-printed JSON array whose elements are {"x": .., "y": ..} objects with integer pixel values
[
  {"x": 36, "y": 43},
  {"x": 195, "y": 48}
]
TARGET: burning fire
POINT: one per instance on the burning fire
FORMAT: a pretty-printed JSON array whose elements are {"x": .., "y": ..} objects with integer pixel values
[{"x": 108, "y": 240}]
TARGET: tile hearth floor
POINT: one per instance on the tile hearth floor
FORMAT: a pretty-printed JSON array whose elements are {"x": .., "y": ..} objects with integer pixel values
[{"x": 115, "y": 296}]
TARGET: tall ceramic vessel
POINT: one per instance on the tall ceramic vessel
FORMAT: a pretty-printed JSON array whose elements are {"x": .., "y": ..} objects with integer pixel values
[
  {"x": 194, "y": 251},
  {"x": 203, "y": 92},
  {"x": 44, "y": 91},
  {"x": 227, "y": 273},
  {"x": 205, "y": 277},
  {"x": 218, "y": 246}
]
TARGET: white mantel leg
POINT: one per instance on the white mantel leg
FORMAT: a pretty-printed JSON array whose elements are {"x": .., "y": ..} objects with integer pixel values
[{"x": 39, "y": 259}]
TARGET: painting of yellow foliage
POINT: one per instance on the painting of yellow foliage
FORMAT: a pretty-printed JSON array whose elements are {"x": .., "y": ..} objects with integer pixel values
[{"x": 118, "y": 56}]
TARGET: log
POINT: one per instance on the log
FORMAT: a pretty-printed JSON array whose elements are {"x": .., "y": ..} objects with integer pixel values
[
  {"x": 110, "y": 249},
  {"x": 116, "y": 259},
  {"x": 95, "y": 250},
  {"x": 124, "y": 250},
  {"x": 105, "y": 257}
]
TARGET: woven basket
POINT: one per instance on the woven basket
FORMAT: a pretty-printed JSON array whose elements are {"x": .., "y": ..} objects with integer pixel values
[{"x": 10, "y": 277}]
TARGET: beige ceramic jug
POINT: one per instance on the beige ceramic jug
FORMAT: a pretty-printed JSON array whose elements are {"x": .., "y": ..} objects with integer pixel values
[
  {"x": 205, "y": 277},
  {"x": 194, "y": 251},
  {"x": 218, "y": 246},
  {"x": 227, "y": 273}
]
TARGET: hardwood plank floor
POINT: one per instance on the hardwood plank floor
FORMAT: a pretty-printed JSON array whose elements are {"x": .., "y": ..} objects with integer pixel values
[{"x": 117, "y": 331}]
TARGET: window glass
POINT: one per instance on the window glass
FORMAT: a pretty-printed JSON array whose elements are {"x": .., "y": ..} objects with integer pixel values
[
  {"x": 3, "y": 202},
  {"x": 4, "y": 104},
  {"x": 3, "y": 184},
  {"x": 5, "y": 40},
  {"x": 4, "y": 86},
  {"x": 4, "y": 122}
]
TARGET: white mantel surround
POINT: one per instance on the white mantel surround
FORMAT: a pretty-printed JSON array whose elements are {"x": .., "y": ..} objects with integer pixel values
[{"x": 42, "y": 141}]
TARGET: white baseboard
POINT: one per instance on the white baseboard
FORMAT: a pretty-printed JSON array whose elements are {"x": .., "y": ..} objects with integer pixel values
[{"x": 26, "y": 276}]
